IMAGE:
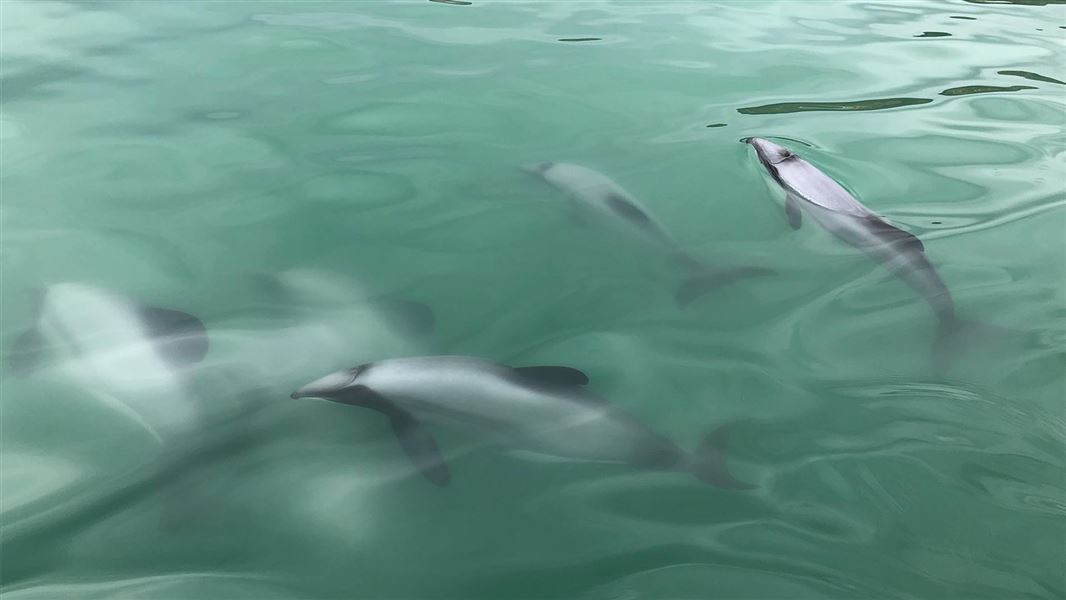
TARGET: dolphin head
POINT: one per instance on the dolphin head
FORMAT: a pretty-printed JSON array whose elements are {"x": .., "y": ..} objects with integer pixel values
[
  {"x": 339, "y": 386},
  {"x": 769, "y": 152},
  {"x": 538, "y": 169}
]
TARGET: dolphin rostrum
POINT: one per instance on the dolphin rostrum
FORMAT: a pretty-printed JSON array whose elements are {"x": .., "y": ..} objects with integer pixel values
[
  {"x": 810, "y": 192},
  {"x": 545, "y": 410},
  {"x": 598, "y": 196}
]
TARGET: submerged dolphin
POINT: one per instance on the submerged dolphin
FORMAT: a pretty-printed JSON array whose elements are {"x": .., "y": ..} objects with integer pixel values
[
  {"x": 546, "y": 410},
  {"x": 597, "y": 195},
  {"x": 809, "y": 191},
  {"x": 317, "y": 294},
  {"x": 81, "y": 320},
  {"x": 129, "y": 355}
]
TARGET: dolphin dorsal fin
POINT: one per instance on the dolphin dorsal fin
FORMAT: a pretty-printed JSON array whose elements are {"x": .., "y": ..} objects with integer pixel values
[
  {"x": 413, "y": 317},
  {"x": 894, "y": 235},
  {"x": 180, "y": 337},
  {"x": 628, "y": 210},
  {"x": 553, "y": 375}
]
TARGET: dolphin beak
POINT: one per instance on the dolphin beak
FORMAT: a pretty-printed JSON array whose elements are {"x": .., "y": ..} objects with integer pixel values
[
  {"x": 327, "y": 386},
  {"x": 745, "y": 140}
]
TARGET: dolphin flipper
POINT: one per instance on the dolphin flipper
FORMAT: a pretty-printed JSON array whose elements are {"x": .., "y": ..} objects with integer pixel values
[
  {"x": 553, "y": 375},
  {"x": 416, "y": 441},
  {"x": 792, "y": 211},
  {"x": 420, "y": 447}
]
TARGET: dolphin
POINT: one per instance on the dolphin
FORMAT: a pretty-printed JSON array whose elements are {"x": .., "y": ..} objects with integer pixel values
[
  {"x": 810, "y": 192},
  {"x": 545, "y": 410},
  {"x": 316, "y": 294},
  {"x": 78, "y": 318},
  {"x": 598, "y": 196},
  {"x": 300, "y": 319},
  {"x": 129, "y": 355}
]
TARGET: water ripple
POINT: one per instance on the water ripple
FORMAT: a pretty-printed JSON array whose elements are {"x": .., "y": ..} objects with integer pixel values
[{"x": 171, "y": 152}]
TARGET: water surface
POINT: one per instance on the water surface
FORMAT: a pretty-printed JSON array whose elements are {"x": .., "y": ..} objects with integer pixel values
[{"x": 177, "y": 153}]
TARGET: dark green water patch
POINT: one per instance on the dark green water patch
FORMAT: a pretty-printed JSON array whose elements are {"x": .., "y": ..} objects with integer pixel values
[
  {"x": 929, "y": 34},
  {"x": 962, "y": 17},
  {"x": 581, "y": 39},
  {"x": 791, "y": 107},
  {"x": 984, "y": 89},
  {"x": 1032, "y": 76},
  {"x": 717, "y": 125},
  {"x": 36, "y": 83}
]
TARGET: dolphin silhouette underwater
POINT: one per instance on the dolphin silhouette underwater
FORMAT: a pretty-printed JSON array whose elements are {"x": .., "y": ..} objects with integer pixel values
[
  {"x": 132, "y": 357},
  {"x": 148, "y": 366},
  {"x": 598, "y": 197},
  {"x": 546, "y": 410},
  {"x": 810, "y": 192}
]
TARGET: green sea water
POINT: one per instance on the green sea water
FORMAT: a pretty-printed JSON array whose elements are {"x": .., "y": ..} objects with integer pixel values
[{"x": 182, "y": 154}]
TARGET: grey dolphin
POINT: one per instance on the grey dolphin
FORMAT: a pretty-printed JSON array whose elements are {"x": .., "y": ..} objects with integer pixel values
[
  {"x": 546, "y": 410},
  {"x": 809, "y": 191},
  {"x": 131, "y": 357},
  {"x": 87, "y": 321},
  {"x": 317, "y": 292},
  {"x": 597, "y": 195}
]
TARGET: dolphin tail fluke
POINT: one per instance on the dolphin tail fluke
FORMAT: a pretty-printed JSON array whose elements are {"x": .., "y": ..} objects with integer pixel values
[
  {"x": 709, "y": 464},
  {"x": 710, "y": 279},
  {"x": 956, "y": 337}
]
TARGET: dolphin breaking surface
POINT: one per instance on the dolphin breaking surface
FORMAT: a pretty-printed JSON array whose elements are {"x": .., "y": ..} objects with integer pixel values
[{"x": 810, "y": 192}]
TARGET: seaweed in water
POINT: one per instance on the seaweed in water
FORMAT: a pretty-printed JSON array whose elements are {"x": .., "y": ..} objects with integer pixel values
[
  {"x": 1031, "y": 75},
  {"x": 984, "y": 89},
  {"x": 791, "y": 107}
]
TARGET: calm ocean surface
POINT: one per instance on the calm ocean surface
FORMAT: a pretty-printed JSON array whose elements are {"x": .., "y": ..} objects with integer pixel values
[{"x": 327, "y": 184}]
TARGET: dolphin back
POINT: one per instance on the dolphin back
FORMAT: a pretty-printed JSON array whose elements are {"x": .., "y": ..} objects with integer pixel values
[{"x": 814, "y": 186}]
